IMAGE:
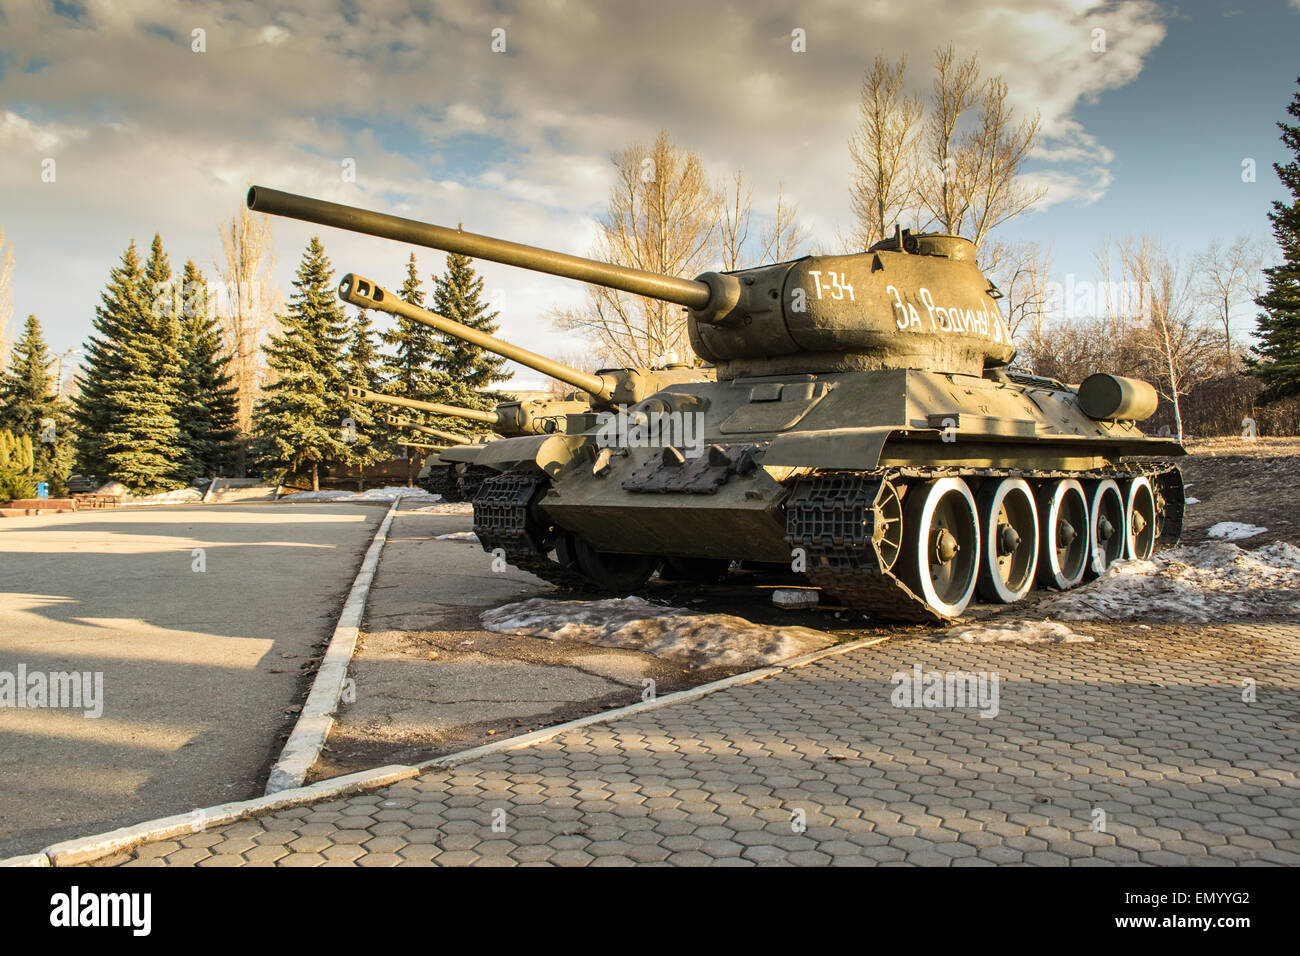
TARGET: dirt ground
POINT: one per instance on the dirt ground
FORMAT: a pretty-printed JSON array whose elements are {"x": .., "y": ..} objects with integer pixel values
[
  {"x": 431, "y": 681},
  {"x": 1254, "y": 482}
]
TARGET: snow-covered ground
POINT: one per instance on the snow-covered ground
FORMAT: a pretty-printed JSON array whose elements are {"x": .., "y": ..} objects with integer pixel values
[
  {"x": 439, "y": 507},
  {"x": 1203, "y": 583},
  {"x": 180, "y": 496},
  {"x": 694, "y": 639},
  {"x": 1019, "y": 632},
  {"x": 372, "y": 494},
  {"x": 1234, "y": 530}
]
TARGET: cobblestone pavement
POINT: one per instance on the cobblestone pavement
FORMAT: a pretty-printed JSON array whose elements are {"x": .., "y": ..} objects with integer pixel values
[{"x": 1136, "y": 749}]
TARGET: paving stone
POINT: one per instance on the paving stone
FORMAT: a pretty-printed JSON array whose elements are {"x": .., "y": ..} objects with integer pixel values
[{"x": 1184, "y": 780}]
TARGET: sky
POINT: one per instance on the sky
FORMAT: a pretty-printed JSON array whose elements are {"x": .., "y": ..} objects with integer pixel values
[{"x": 149, "y": 135}]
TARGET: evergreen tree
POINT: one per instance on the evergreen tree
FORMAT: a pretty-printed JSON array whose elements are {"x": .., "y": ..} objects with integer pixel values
[
  {"x": 142, "y": 441},
  {"x": 26, "y": 386},
  {"x": 471, "y": 370},
  {"x": 1279, "y": 323},
  {"x": 411, "y": 369},
  {"x": 209, "y": 408},
  {"x": 300, "y": 421},
  {"x": 32, "y": 410},
  {"x": 121, "y": 302},
  {"x": 368, "y": 436}
]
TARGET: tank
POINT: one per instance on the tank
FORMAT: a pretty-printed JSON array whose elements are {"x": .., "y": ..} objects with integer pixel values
[{"x": 866, "y": 428}]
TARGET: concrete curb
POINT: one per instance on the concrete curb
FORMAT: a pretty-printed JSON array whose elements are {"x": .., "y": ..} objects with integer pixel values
[
  {"x": 678, "y": 697},
  {"x": 313, "y": 727},
  {"x": 88, "y": 849}
]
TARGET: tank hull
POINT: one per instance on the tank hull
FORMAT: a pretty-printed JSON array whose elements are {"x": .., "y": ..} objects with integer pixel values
[{"x": 736, "y": 471}]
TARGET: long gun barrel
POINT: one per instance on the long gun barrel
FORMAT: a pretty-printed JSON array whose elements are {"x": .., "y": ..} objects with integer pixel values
[
  {"x": 691, "y": 293},
  {"x": 365, "y": 294},
  {"x": 399, "y": 422},
  {"x": 422, "y": 446},
  {"x": 357, "y": 394}
]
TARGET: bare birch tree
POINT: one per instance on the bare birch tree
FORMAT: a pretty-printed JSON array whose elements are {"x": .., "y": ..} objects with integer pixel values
[
  {"x": 883, "y": 151},
  {"x": 736, "y": 206},
  {"x": 1229, "y": 275},
  {"x": 953, "y": 165},
  {"x": 1021, "y": 271},
  {"x": 662, "y": 217},
  {"x": 784, "y": 237},
  {"x": 941, "y": 177},
  {"x": 248, "y": 302},
  {"x": 1175, "y": 334},
  {"x": 989, "y": 161}
]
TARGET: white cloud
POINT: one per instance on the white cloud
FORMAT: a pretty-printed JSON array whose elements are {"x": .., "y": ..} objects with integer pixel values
[{"x": 152, "y": 136}]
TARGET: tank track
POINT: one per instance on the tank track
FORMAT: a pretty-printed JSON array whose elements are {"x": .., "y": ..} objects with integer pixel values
[
  {"x": 830, "y": 515},
  {"x": 441, "y": 481},
  {"x": 503, "y": 518},
  {"x": 471, "y": 480}
]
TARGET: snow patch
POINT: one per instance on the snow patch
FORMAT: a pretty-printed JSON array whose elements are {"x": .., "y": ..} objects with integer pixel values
[
  {"x": 324, "y": 495},
  {"x": 1234, "y": 530},
  {"x": 178, "y": 497},
  {"x": 1191, "y": 501},
  {"x": 1209, "y": 582},
  {"x": 1019, "y": 632},
  {"x": 458, "y": 536},
  {"x": 441, "y": 508},
  {"x": 373, "y": 494},
  {"x": 697, "y": 640}
]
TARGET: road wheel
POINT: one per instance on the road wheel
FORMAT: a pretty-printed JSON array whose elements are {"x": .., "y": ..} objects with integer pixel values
[
  {"x": 1105, "y": 527},
  {"x": 1009, "y": 529},
  {"x": 941, "y": 545},
  {"x": 1140, "y": 519},
  {"x": 1063, "y": 531},
  {"x": 616, "y": 573}
]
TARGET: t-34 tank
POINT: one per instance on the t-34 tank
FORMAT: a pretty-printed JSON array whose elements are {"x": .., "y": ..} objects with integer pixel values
[
  {"x": 452, "y": 472},
  {"x": 865, "y": 428}
]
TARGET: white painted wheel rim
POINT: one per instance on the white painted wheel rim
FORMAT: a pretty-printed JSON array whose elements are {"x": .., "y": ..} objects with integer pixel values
[
  {"x": 1140, "y": 509},
  {"x": 1106, "y": 504},
  {"x": 936, "y": 494},
  {"x": 1015, "y": 497},
  {"x": 1063, "y": 499}
]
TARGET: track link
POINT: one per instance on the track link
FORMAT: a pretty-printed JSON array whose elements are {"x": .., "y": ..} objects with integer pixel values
[{"x": 504, "y": 518}]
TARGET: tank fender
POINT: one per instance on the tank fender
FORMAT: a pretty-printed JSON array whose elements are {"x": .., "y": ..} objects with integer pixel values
[
  {"x": 851, "y": 449},
  {"x": 550, "y": 454}
]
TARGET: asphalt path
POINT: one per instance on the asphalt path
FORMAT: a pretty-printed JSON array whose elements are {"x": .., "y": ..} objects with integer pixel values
[{"x": 196, "y": 621}]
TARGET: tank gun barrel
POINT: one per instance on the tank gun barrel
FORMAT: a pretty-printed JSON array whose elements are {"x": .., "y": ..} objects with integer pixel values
[
  {"x": 358, "y": 394},
  {"x": 399, "y": 422},
  {"x": 365, "y": 294},
  {"x": 422, "y": 446},
  {"x": 690, "y": 293}
]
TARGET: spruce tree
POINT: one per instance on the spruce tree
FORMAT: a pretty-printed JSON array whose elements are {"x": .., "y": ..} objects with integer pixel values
[
  {"x": 368, "y": 436},
  {"x": 142, "y": 442},
  {"x": 209, "y": 407},
  {"x": 32, "y": 410},
  {"x": 26, "y": 386},
  {"x": 471, "y": 370},
  {"x": 1279, "y": 323},
  {"x": 411, "y": 369},
  {"x": 300, "y": 421},
  {"x": 120, "y": 303}
]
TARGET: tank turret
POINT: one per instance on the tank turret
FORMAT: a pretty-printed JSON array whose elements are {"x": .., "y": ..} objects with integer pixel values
[{"x": 912, "y": 301}]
